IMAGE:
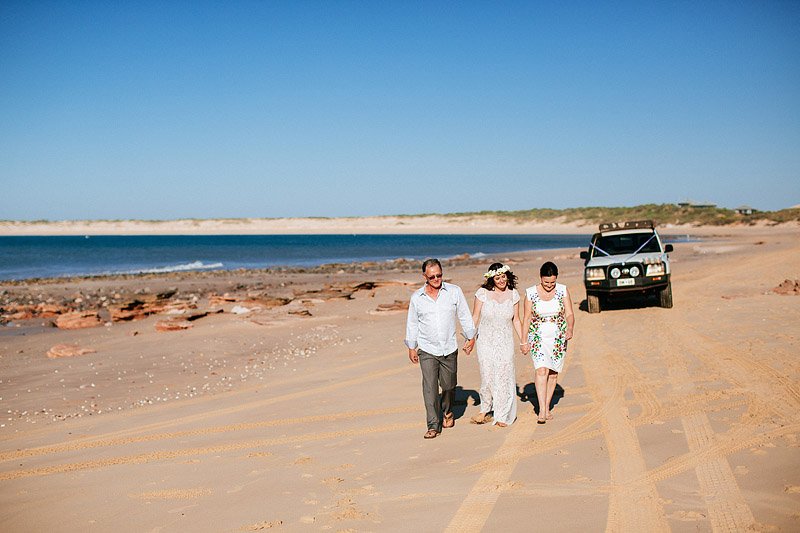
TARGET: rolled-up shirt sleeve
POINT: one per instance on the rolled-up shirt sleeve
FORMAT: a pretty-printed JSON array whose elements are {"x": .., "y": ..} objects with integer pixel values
[
  {"x": 412, "y": 325},
  {"x": 464, "y": 315}
]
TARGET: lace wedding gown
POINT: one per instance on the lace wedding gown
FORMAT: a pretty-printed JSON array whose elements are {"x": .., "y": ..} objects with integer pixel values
[{"x": 495, "y": 346}]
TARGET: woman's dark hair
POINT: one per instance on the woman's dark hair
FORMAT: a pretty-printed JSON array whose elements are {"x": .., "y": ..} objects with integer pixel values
[
  {"x": 548, "y": 269},
  {"x": 489, "y": 283}
]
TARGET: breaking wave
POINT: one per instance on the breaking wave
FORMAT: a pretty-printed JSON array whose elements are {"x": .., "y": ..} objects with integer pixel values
[{"x": 195, "y": 265}]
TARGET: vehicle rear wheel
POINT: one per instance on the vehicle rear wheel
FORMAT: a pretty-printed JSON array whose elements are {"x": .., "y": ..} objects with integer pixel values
[
  {"x": 593, "y": 303},
  {"x": 665, "y": 296}
]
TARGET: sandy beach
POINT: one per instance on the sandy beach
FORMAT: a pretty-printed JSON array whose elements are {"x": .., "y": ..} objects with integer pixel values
[
  {"x": 246, "y": 401},
  {"x": 421, "y": 224},
  {"x": 418, "y": 224}
]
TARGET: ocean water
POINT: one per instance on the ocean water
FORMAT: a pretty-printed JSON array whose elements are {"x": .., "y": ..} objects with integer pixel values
[{"x": 50, "y": 257}]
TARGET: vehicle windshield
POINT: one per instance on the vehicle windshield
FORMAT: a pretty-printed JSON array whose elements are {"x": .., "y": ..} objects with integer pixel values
[{"x": 624, "y": 244}]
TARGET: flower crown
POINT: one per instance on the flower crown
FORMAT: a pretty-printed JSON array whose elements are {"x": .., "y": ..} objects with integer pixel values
[{"x": 492, "y": 273}]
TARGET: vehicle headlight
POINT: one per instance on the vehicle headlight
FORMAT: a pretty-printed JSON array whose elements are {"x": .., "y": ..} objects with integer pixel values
[
  {"x": 615, "y": 273},
  {"x": 656, "y": 269},
  {"x": 595, "y": 274},
  {"x": 634, "y": 271}
]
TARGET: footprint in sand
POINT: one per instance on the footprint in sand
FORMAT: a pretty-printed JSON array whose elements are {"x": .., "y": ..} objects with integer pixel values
[
  {"x": 687, "y": 516},
  {"x": 262, "y": 525}
]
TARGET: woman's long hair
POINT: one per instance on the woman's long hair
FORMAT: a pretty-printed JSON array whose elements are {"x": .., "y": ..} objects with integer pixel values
[{"x": 510, "y": 276}]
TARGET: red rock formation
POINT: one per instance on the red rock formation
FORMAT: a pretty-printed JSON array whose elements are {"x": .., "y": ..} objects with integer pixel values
[
  {"x": 788, "y": 287},
  {"x": 172, "y": 324},
  {"x": 397, "y": 305},
  {"x": 79, "y": 320},
  {"x": 67, "y": 350}
]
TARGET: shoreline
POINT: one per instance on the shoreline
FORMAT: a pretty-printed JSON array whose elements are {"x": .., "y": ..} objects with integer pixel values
[{"x": 377, "y": 225}]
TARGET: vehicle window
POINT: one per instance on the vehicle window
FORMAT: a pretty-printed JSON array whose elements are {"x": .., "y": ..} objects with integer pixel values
[{"x": 625, "y": 244}]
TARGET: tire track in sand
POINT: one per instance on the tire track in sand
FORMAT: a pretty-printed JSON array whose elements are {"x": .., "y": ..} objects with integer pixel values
[
  {"x": 634, "y": 503},
  {"x": 120, "y": 437},
  {"x": 68, "y": 447},
  {"x": 727, "y": 508},
  {"x": 192, "y": 452},
  {"x": 479, "y": 503},
  {"x": 496, "y": 470}
]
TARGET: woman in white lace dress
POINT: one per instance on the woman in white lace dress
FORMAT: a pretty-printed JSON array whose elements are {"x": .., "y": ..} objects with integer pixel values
[
  {"x": 549, "y": 321},
  {"x": 496, "y": 315}
]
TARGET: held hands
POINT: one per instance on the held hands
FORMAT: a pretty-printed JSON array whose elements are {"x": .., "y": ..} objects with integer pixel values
[
  {"x": 524, "y": 348},
  {"x": 468, "y": 346}
]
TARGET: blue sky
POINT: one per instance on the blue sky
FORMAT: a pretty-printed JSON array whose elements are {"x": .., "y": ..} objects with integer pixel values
[{"x": 167, "y": 110}]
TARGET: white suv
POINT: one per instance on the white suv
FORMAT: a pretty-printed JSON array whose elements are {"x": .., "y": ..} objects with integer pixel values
[{"x": 626, "y": 257}]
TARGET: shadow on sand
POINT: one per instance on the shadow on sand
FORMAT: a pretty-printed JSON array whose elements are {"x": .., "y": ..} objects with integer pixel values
[{"x": 527, "y": 394}]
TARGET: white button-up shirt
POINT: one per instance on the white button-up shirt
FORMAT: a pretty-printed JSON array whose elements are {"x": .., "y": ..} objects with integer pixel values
[{"x": 431, "y": 324}]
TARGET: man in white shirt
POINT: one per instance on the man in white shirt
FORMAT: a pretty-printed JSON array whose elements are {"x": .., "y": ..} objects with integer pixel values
[{"x": 431, "y": 341}]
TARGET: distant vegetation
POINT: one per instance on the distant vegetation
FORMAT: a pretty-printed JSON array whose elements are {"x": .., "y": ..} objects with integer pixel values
[{"x": 659, "y": 213}]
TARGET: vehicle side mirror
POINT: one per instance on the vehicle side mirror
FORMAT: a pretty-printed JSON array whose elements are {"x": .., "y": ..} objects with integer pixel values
[
  {"x": 585, "y": 255},
  {"x": 668, "y": 248}
]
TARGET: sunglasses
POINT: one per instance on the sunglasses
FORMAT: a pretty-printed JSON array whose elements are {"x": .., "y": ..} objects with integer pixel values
[{"x": 435, "y": 276}]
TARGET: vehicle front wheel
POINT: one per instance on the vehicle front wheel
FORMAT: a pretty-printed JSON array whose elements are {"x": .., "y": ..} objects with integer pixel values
[
  {"x": 665, "y": 296},
  {"x": 593, "y": 303}
]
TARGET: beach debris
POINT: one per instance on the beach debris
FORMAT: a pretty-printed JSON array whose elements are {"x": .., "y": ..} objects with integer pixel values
[
  {"x": 67, "y": 350},
  {"x": 788, "y": 287},
  {"x": 301, "y": 312},
  {"x": 240, "y": 310},
  {"x": 79, "y": 320},
  {"x": 397, "y": 305}
]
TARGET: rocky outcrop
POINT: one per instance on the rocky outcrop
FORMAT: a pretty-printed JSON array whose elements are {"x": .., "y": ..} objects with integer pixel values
[
  {"x": 788, "y": 287},
  {"x": 67, "y": 350},
  {"x": 78, "y": 320},
  {"x": 397, "y": 305},
  {"x": 179, "y": 323},
  {"x": 172, "y": 324}
]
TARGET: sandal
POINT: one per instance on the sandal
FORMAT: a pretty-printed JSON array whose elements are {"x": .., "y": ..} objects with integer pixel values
[
  {"x": 430, "y": 434},
  {"x": 541, "y": 420},
  {"x": 449, "y": 421}
]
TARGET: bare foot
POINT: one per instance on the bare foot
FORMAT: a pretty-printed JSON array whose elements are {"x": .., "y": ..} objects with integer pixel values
[
  {"x": 501, "y": 425},
  {"x": 549, "y": 416},
  {"x": 480, "y": 418}
]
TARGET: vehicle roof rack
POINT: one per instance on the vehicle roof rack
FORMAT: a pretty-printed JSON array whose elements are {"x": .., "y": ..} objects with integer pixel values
[{"x": 630, "y": 224}]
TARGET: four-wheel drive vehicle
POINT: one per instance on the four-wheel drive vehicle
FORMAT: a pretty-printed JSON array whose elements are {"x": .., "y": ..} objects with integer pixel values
[{"x": 626, "y": 257}]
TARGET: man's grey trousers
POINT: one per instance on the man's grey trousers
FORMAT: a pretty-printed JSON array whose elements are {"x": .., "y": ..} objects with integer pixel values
[{"x": 438, "y": 371}]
